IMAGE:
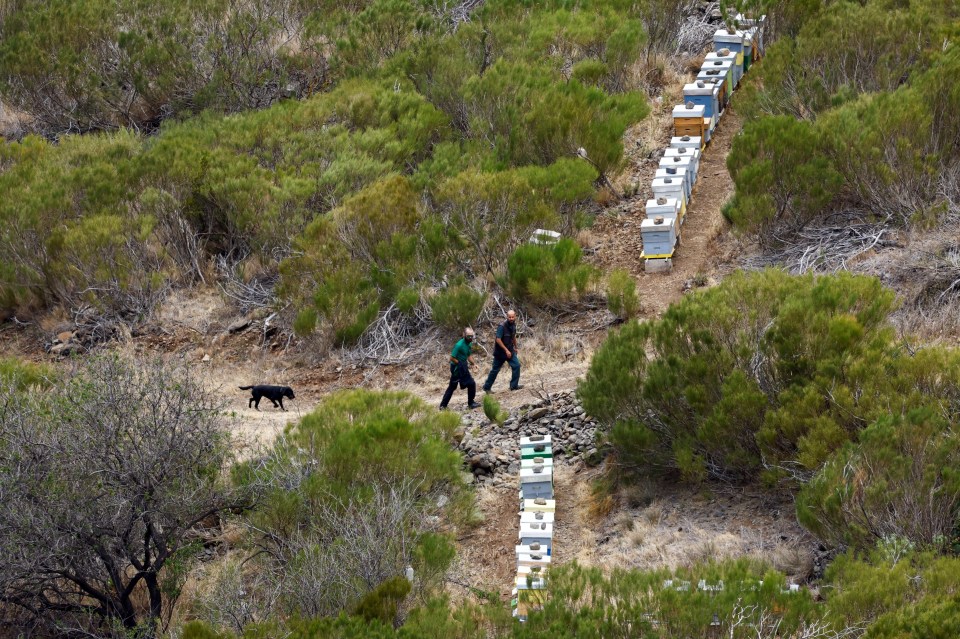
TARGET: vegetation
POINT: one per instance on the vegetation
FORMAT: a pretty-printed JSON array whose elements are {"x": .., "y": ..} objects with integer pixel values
[
  {"x": 105, "y": 480},
  {"x": 766, "y": 375},
  {"x": 847, "y": 120},
  {"x": 348, "y": 498},
  {"x": 622, "y": 299},
  {"x": 549, "y": 273},
  {"x": 408, "y": 167}
]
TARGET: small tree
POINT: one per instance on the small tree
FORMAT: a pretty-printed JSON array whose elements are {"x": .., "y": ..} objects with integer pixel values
[{"x": 104, "y": 482}]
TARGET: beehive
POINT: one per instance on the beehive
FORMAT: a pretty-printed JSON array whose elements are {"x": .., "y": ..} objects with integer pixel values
[
  {"x": 536, "y": 571},
  {"x": 535, "y": 439},
  {"x": 520, "y": 549},
  {"x": 731, "y": 39},
  {"x": 659, "y": 237},
  {"x": 688, "y": 119},
  {"x": 536, "y": 482},
  {"x": 748, "y": 49},
  {"x": 705, "y": 93},
  {"x": 719, "y": 69},
  {"x": 671, "y": 187},
  {"x": 539, "y": 505},
  {"x": 533, "y": 462},
  {"x": 663, "y": 207},
  {"x": 726, "y": 55},
  {"x": 686, "y": 142},
  {"x": 536, "y": 516},
  {"x": 683, "y": 153},
  {"x": 529, "y": 451},
  {"x": 720, "y": 77},
  {"x": 684, "y": 161},
  {"x": 536, "y": 534},
  {"x": 544, "y": 237},
  {"x": 540, "y": 559},
  {"x": 671, "y": 172}
]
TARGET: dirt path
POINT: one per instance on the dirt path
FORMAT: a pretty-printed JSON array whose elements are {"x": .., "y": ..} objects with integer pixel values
[{"x": 706, "y": 242}]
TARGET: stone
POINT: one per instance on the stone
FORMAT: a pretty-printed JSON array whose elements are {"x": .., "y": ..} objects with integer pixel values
[
  {"x": 239, "y": 325},
  {"x": 537, "y": 413},
  {"x": 206, "y": 358}
]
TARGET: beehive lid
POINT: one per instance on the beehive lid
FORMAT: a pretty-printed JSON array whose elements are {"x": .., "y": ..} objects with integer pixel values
[
  {"x": 539, "y": 503},
  {"x": 651, "y": 225},
  {"x": 701, "y": 87},
  {"x": 663, "y": 205},
  {"x": 686, "y": 141},
  {"x": 535, "y": 439},
  {"x": 535, "y": 475},
  {"x": 667, "y": 184},
  {"x": 682, "y": 152},
  {"x": 540, "y": 530},
  {"x": 537, "y": 516},
  {"x": 724, "y": 36},
  {"x": 688, "y": 110}
]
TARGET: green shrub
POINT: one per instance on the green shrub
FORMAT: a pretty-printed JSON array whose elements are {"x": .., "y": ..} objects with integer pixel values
[
  {"x": 549, "y": 274},
  {"x": 383, "y": 602},
  {"x": 491, "y": 408},
  {"x": 765, "y": 373},
  {"x": 23, "y": 375},
  {"x": 899, "y": 480},
  {"x": 622, "y": 299},
  {"x": 457, "y": 307}
]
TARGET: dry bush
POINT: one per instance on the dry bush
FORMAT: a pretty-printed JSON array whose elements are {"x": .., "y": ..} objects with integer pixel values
[
  {"x": 655, "y": 513},
  {"x": 791, "y": 559}
]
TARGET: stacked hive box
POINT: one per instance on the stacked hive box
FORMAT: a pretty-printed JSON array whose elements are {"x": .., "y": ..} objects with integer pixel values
[
  {"x": 688, "y": 119},
  {"x": 537, "y": 511},
  {"x": 705, "y": 100},
  {"x": 733, "y": 40}
]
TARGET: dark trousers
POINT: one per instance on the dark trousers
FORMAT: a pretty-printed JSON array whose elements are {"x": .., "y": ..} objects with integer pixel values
[
  {"x": 497, "y": 365},
  {"x": 459, "y": 376}
]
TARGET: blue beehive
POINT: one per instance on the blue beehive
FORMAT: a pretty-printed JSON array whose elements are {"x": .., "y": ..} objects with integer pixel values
[
  {"x": 732, "y": 39},
  {"x": 704, "y": 93},
  {"x": 659, "y": 237}
]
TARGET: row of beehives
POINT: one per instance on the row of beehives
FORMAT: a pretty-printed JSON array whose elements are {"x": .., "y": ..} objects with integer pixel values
[
  {"x": 694, "y": 123},
  {"x": 537, "y": 508}
]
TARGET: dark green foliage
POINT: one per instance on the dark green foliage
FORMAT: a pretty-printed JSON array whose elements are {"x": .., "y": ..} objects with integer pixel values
[
  {"x": 382, "y": 602},
  {"x": 900, "y": 480},
  {"x": 875, "y": 140},
  {"x": 622, "y": 299},
  {"x": 766, "y": 372},
  {"x": 549, "y": 274},
  {"x": 457, "y": 307},
  {"x": 783, "y": 178}
]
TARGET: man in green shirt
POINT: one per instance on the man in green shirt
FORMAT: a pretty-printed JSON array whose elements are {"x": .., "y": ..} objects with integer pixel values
[{"x": 460, "y": 360}]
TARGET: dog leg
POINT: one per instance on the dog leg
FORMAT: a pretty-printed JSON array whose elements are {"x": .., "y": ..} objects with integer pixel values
[{"x": 281, "y": 405}]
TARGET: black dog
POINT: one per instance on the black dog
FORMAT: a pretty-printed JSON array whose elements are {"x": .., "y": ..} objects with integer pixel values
[{"x": 273, "y": 393}]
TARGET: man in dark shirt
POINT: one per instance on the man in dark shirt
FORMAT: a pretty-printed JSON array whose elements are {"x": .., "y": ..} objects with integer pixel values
[
  {"x": 460, "y": 360},
  {"x": 505, "y": 351}
]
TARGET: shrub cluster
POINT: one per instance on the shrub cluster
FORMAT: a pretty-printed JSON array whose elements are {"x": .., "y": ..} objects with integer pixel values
[{"x": 844, "y": 117}]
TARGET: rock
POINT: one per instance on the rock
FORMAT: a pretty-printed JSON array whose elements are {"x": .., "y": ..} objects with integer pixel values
[
  {"x": 467, "y": 477},
  {"x": 239, "y": 325},
  {"x": 537, "y": 413}
]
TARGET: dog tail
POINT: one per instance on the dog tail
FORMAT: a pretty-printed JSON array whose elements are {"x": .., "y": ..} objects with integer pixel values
[{"x": 245, "y": 387}]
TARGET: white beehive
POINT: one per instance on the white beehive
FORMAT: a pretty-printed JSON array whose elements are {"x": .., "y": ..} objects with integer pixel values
[
  {"x": 670, "y": 171},
  {"x": 535, "y": 439},
  {"x": 539, "y": 505},
  {"x": 663, "y": 207},
  {"x": 683, "y": 153},
  {"x": 537, "y": 533},
  {"x": 544, "y": 237},
  {"x": 729, "y": 56},
  {"x": 686, "y": 142},
  {"x": 536, "y": 559},
  {"x": 536, "y": 482},
  {"x": 659, "y": 237},
  {"x": 671, "y": 187},
  {"x": 546, "y": 462},
  {"x": 532, "y": 548},
  {"x": 531, "y": 517}
]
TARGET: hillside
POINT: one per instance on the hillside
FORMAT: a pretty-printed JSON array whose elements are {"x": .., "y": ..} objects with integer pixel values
[{"x": 751, "y": 435}]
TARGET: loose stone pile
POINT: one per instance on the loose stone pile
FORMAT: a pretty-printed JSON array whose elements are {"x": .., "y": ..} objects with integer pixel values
[{"x": 489, "y": 447}]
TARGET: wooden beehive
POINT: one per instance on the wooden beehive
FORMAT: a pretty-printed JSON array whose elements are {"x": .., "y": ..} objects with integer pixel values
[{"x": 688, "y": 119}]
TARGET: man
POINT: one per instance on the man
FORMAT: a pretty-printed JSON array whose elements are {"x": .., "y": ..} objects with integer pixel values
[
  {"x": 505, "y": 351},
  {"x": 460, "y": 360}
]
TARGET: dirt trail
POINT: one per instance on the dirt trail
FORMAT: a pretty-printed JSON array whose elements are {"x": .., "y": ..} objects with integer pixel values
[{"x": 705, "y": 242}]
